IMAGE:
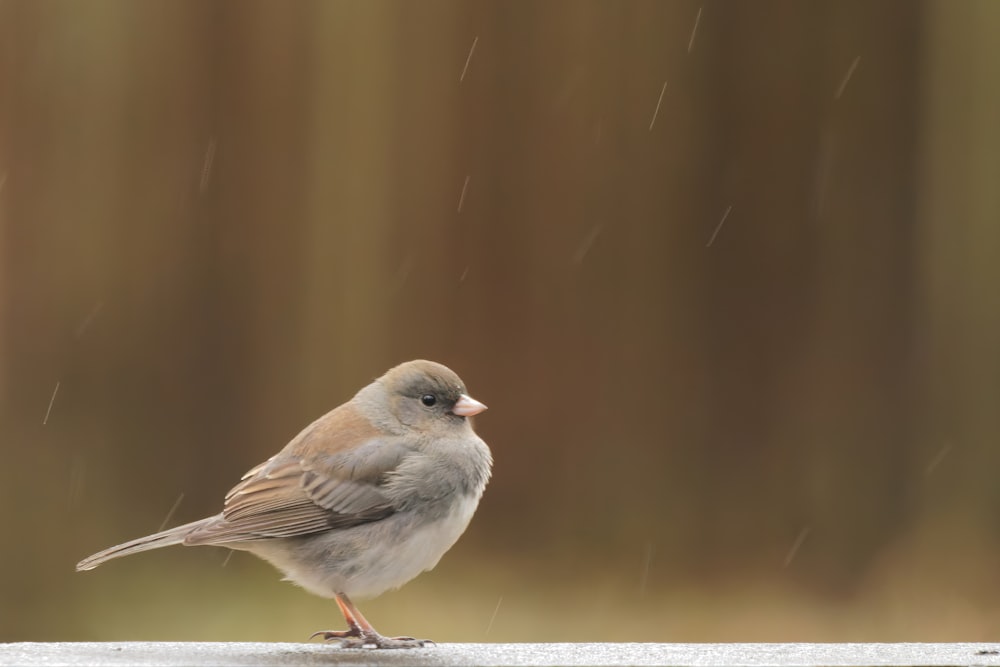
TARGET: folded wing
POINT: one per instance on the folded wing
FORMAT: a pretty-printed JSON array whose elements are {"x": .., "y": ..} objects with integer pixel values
[{"x": 291, "y": 495}]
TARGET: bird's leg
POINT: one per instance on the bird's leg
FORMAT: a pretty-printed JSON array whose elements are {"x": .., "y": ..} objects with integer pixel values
[
  {"x": 354, "y": 629},
  {"x": 361, "y": 633}
]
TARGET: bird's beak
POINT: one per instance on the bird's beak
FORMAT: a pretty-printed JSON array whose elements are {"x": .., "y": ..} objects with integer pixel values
[{"x": 466, "y": 406}]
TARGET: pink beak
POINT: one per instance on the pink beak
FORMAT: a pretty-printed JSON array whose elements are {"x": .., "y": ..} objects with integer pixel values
[{"x": 466, "y": 406}]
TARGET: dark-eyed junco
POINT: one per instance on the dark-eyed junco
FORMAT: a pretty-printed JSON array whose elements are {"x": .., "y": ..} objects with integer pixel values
[{"x": 364, "y": 499}]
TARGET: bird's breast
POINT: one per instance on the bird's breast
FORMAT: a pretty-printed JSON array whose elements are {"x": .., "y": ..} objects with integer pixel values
[{"x": 369, "y": 559}]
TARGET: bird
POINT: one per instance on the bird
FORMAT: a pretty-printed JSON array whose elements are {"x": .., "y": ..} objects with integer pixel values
[{"x": 361, "y": 501}]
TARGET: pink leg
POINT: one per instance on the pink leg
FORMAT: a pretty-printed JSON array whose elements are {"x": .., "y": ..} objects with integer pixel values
[{"x": 360, "y": 632}]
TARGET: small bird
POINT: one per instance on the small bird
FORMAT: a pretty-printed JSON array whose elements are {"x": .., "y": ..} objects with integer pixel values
[{"x": 360, "y": 502}]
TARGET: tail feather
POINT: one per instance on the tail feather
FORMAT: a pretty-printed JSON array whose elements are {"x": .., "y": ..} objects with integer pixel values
[{"x": 165, "y": 538}]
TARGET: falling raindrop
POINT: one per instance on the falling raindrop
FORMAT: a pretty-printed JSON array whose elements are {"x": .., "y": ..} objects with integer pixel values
[
  {"x": 847, "y": 77},
  {"x": 938, "y": 458},
  {"x": 461, "y": 197},
  {"x": 89, "y": 319},
  {"x": 657, "y": 109},
  {"x": 206, "y": 166},
  {"x": 587, "y": 243},
  {"x": 494, "y": 616},
  {"x": 796, "y": 545},
  {"x": 170, "y": 514},
  {"x": 694, "y": 30},
  {"x": 468, "y": 59},
  {"x": 52, "y": 400},
  {"x": 719, "y": 226}
]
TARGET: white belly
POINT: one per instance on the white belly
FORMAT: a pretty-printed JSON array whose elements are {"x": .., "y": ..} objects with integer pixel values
[{"x": 370, "y": 559}]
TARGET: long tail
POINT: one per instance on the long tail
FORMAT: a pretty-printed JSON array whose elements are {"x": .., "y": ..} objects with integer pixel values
[{"x": 155, "y": 541}]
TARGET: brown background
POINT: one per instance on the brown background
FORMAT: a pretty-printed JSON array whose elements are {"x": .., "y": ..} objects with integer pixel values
[{"x": 219, "y": 219}]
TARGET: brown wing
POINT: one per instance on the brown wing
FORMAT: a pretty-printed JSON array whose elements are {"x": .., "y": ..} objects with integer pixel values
[{"x": 308, "y": 488}]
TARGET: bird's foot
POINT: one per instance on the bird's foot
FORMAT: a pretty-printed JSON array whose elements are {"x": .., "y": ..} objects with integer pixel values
[
  {"x": 330, "y": 635},
  {"x": 378, "y": 641},
  {"x": 357, "y": 639}
]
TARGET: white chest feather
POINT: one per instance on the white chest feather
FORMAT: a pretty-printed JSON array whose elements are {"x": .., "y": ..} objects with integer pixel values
[{"x": 370, "y": 559}]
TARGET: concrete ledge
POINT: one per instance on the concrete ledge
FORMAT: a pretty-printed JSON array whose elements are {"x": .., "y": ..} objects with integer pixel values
[{"x": 173, "y": 654}]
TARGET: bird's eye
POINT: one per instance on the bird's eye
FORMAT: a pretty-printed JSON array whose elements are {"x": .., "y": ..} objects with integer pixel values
[{"x": 428, "y": 399}]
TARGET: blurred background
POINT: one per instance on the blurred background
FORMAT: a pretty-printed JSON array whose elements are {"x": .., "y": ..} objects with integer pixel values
[{"x": 721, "y": 270}]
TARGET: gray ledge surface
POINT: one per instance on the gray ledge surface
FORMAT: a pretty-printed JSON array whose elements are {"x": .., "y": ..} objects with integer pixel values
[{"x": 172, "y": 654}]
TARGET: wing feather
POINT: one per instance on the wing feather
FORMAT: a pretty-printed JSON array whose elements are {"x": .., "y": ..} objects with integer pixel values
[{"x": 299, "y": 492}]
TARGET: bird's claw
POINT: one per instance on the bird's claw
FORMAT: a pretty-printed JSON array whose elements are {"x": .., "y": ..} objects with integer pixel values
[
  {"x": 327, "y": 635},
  {"x": 355, "y": 639},
  {"x": 402, "y": 642}
]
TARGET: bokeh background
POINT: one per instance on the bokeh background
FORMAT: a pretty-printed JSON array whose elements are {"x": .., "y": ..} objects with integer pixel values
[{"x": 725, "y": 273}]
